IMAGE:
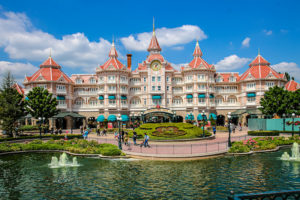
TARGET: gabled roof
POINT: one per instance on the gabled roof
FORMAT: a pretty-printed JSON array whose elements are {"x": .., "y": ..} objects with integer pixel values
[
  {"x": 227, "y": 75},
  {"x": 49, "y": 71},
  {"x": 198, "y": 61},
  {"x": 155, "y": 57},
  {"x": 19, "y": 88},
  {"x": 260, "y": 68},
  {"x": 292, "y": 85},
  {"x": 112, "y": 61}
]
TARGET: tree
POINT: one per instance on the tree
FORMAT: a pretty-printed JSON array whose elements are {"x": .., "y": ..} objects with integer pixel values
[
  {"x": 287, "y": 75},
  {"x": 41, "y": 104},
  {"x": 11, "y": 104},
  {"x": 280, "y": 101}
]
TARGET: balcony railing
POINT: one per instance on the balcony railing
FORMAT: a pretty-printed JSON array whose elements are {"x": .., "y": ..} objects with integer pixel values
[
  {"x": 135, "y": 83},
  {"x": 62, "y": 106},
  {"x": 251, "y": 103},
  {"x": 124, "y": 82},
  {"x": 61, "y": 91},
  {"x": 86, "y": 93}
]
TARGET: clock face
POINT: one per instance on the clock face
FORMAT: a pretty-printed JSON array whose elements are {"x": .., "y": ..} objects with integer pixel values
[{"x": 155, "y": 66}]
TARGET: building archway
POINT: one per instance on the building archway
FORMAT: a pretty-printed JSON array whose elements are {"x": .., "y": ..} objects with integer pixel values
[{"x": 220, "y": 120}]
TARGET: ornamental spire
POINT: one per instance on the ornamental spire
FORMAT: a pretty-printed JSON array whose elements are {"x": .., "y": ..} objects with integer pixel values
[
  {"x": 197, "y": 51},
  {"x": 154, "y": 46},
  {"x": 113, "y": 52}
]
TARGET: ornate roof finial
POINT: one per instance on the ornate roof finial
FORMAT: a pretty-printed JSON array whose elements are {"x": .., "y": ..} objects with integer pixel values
[
  {"x": 153, "y": 26},
  {"x": 197, "y": 51}
]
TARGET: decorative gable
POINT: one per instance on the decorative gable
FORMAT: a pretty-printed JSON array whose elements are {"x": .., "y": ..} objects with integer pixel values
[
  {"x": 40, "y": 78},
  {"x": 61, "y": 79}
]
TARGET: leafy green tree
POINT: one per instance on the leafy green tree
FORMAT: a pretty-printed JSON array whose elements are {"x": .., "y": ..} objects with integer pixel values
[
  {"x": 280, "y": 101},
  {"x": 287, "y": 75},
  {"x": 11, "y": 104},
  {"x": 41, "y": 104}
]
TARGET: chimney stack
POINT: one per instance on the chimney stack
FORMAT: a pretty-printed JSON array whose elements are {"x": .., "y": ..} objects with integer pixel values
[{"x": 129, "y": 61}]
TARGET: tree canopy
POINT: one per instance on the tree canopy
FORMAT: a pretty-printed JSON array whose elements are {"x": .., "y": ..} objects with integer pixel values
[
  {"x": 279, "y": 101},
  {"x": 11, "y": 104},
  {"x": 40, "y": 103}
]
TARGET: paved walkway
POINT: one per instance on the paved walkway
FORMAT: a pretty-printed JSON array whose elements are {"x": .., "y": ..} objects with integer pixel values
[{"x": 186, "y": 149}]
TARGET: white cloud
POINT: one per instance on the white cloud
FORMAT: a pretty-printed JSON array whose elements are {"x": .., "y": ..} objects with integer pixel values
[
  {"x": 179, "y": 48},
  {"x": 246, "y": 42},
  {"x": 270, "y": 32},
  {"x": 231, "y": 62},
  {"x": 292, "y": 68},
  {"x": 18, "y": 70},
  {"x": 166, "y": 37},
  {"x": 21, "y": 40}
]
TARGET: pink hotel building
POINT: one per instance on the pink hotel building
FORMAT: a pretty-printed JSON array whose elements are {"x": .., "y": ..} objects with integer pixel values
[{"x": 117, "y": 89}]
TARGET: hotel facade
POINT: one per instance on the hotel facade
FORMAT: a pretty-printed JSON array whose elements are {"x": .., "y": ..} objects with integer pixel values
[{"x": 116, "y": 89}]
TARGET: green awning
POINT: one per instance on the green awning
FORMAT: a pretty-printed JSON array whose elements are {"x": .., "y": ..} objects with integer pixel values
[
  {"x": 61, "y": 98},
  {"x": 239, "y": 112},
  {"x": 251, "y": 94},
  {"x": 71, "y": 114},
  {"x": 112, "y": 118},
  {"x": 125, "y": 118},
  {"x": 211, "y": 96},
  {"x": 189, "y": 96},
  {"x": 123, "y": 97},
  {"x": 254, "y": 112},
  {"x": 201, "y": 95},
  {"x": 189, "y": 117},
  {"x": 101, "y": 97},
  {"x": 200, "y": 117},
  {"x": 156, "y": 97},
  {"x": 111, "y": 97}
]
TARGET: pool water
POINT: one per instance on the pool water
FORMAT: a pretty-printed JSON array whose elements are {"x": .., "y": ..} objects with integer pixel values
[{"x": 28, "y": 176}]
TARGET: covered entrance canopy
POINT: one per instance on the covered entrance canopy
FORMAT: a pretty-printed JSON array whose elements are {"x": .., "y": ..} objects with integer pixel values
[
  {"x": 158, "y": 115},
  {"x": 68, "y": 120},
  {"x": 248, "y": 111}
]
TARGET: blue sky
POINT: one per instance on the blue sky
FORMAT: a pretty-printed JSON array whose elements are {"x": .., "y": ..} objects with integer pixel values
[{"x": 80, "y": 33}]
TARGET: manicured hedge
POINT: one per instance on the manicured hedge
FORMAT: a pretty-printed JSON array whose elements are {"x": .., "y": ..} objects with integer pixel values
[
  {"x": 219, "y": 128},
  {"x": 28, "y": 128},
  {"x": 269, "y": 133},
  {"x": 75, "y": 146},
  {"x": 70, "y": 136}
]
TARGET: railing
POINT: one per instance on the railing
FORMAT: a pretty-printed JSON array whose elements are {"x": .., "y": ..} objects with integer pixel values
[
  {"x": 62, "y": 106},
  {"x": 173, "y": 150},
  {"x": 61, "y": 91},
  {"x": 251, "y": 103},
  {"x": 124, "y": 82},
  {"x": 177, "y": 91},
  {"x": 280, "y": 195},
  {"x": 86, "y": 93},
  {"x": 135, "y": 83}
]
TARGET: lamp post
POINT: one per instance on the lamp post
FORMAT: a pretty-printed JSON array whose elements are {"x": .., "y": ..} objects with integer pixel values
[
  {"x": 229, "y": 129},
  {"x": 41, "y": 119},
  {"x": 293, "y": 116},
  {"x": 119, "y": 122},
  {"x": 283, "y": 121},
  {"x": 203, "y": 118}
]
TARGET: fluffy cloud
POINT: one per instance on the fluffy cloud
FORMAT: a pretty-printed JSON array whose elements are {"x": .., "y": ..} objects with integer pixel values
[
  {"x": 231, "y": 62},
  {"x": 166, "y": 36},
  {"x": 21, "y": 40},
  {"x": 246, "y": 42},
  {"x": 270, "y": 32},
  {"x": 18, "y": 70},
  {"x": 292, "y": 68},
  {"x": 178, "y": 66}
]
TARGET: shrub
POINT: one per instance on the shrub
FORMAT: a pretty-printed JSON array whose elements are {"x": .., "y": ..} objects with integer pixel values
[
  {"x": 239, "y": 147},
  {"x": 29, "y": 128},
  {"x": 263, "y": 133}
]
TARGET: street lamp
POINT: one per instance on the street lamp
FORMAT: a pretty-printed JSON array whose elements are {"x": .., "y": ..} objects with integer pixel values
[
  {"x": 229, "y": 130},
  {"x": 119, "y": 118},
  {"x": 293, "y": 116},
  {"x": 41, "y": 119},
  {"x": 203, "y": 118},
  {"x": 283, "y": 122}
]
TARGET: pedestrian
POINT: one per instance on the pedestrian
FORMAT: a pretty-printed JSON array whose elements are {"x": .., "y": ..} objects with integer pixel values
[
  {"x": 134, "y": 137},
  {"x": 116, "y": 134},
  {"x": 98, "y": 131},
  {"x": 56, "y": 131},
  {"x": 214, "y": 130},
  {"x": 60, "y": 131},
  {"x": 81, "y": 130},
  {"x": 66, "y": 137},
  {"x": 233, "y": 128},
  {"x": 104, "y": 132},
  {"x": 85, "y": 136},
  {"x": 126, "y": 139},
  {"x": 146, "y": 140},
  {"x": 240, "y": 124},
  {"x": 122, "y": 135}
]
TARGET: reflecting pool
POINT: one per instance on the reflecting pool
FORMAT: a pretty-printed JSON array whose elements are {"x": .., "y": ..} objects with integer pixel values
[{"x": 28, "y": 176}]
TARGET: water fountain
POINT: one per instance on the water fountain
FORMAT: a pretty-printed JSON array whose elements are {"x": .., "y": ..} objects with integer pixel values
[
  {"x": 63, "y": 162},
  {"x": 295, "y": 154}
]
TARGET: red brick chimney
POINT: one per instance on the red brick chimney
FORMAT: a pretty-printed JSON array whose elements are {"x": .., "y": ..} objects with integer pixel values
[{"x": 129, "y": 61}]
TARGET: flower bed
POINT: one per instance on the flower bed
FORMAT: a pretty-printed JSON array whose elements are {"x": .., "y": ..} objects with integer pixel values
[
  {"x": 78, "y": 146},
  {"x": 261, "y": 143},
  {"x": 169, "y": 131}
]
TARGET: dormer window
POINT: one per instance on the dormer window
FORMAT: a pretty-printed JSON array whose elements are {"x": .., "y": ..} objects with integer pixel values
[
  {"x": 92, "y": 80},
  {"x": 78, "y": 81},
  {"x": 232, "y": 79},
  {"x": 219, "y": 79}
]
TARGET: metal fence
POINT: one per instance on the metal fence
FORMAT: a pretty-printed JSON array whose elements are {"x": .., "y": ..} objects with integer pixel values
[{"x": 173, "y": 149}]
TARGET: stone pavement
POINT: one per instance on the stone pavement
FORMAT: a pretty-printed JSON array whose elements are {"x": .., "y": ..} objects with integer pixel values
[{"x": 185, "y": 149}]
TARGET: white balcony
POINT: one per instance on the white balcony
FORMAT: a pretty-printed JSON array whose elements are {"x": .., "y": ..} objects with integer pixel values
[
  {"x": 177, "y": 83},
  {"x": 251, "y": 103},
  {"x": 112, "y": 91},
  {"x": 250, "y": 89},
  {"x": 124, "y": 106},
  {"x": 112, "y": 105},
  {"x": 124, "y": 82},
  {"x": 132, "y": 93},
  {"x": 61, "y": 92},
  {"x": 62, "y": 106},
  {"x": 124, "y": 91},
  {"x": 112, "y": 81},
  {"x": 135, "y": 83},
  {"x": 85, "y": 93},
  {"x": 177, "y": 91},
  {"x": 101, "y": 92}
]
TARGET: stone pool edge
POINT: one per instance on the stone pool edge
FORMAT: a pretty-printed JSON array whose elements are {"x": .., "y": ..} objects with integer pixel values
[{"x": 262, "y": 151}]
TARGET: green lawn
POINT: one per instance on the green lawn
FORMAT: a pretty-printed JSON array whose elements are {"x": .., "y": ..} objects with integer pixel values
[{"x": 169, "y": 131}]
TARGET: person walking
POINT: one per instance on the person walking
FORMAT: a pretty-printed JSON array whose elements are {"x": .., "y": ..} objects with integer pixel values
[
  {"x": 126, "y": 139},
  {"x": 60, "y": 131},
  {"x": 134, "y": 137},
  {"x": 214, "y": 130},
  {"x": 104, "y": 132},
  {"x": 98, "y": 131},
  {"x": 146, "y": 140},
  {"x": 85, "y": 135},
  {"x": 122, "y": 136},
  {"x": 116, "y": 135}
]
